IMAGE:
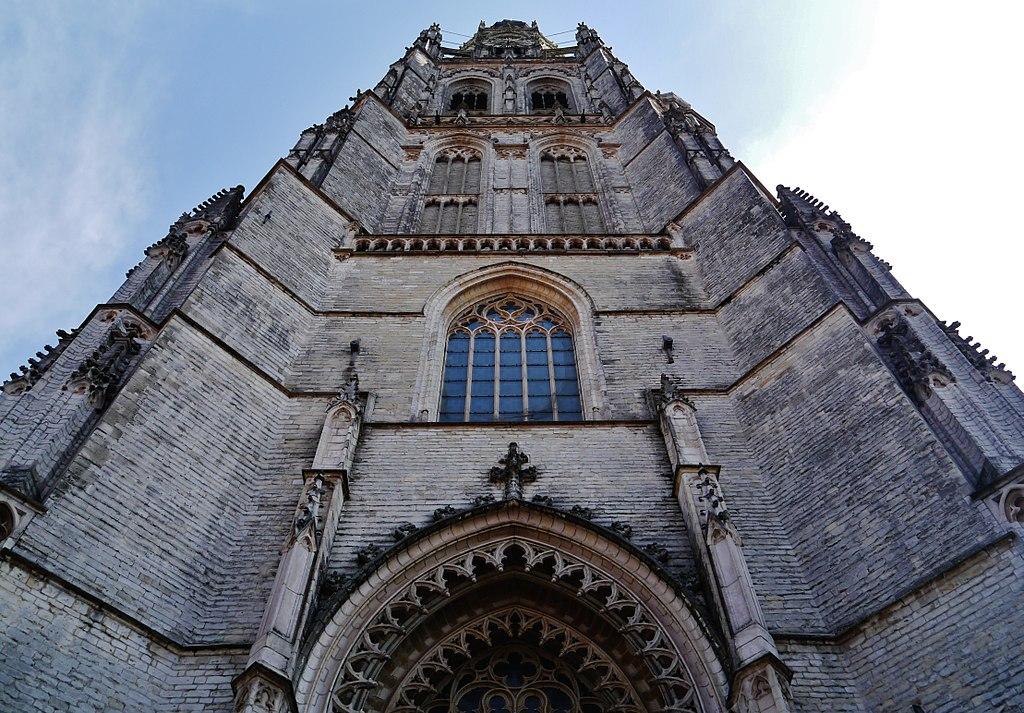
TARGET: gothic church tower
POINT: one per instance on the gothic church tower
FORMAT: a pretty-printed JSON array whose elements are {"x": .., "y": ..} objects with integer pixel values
[{"x": 509, "y": 389}]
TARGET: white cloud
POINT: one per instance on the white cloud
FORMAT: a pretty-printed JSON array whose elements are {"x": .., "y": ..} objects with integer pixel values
[
  {"x": 919, "y": 148},
  {"x": 70, "y": 168}
]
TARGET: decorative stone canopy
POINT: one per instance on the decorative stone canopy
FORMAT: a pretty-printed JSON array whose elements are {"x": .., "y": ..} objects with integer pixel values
[{"x": 507, "y": 39}]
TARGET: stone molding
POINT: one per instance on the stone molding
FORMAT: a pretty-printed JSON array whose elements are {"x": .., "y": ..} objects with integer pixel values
[
  {"x": 614, "y": 683},
  {"x": 605, "y": 575},
  {"x": 527, "y": 280},
  {"x": 513, "y": 243}
]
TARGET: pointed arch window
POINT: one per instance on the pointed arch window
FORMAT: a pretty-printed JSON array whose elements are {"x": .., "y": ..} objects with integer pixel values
[
  {"x": 570, "y": 197},
  {"x": 471, "y": 95},
  {"x": 510, "y": 358},
  {"x": 547, "y": 94},
  {"x": 453, "y": 193}
]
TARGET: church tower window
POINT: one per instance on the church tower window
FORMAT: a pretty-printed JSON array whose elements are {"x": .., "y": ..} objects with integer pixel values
[
  {"x": 547, "y": 94},
  {"x": 570, "y": 198},
  {"x": 471, "y": 95},
  {"x": 453, "y": 193},
  {"x": 510, "y": 359}
]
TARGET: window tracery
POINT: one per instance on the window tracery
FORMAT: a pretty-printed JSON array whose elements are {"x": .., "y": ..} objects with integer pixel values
[
  {"x": 510, "y": 358},
  {"x": 547, "y": 94},
  {"x": 453, "y": 192},
  {"x": 472, "y": 96},
  {"x": 513, "y": 679},
  {"x": 570, "y": 198}
]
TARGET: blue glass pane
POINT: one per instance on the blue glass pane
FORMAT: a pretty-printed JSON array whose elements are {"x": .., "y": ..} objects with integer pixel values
[
  {"x": 536, "y": 343},
  {"x": 566, "y": 387},
  {"x": 458, "y": 343},
  {"x": 455, "y": 373},
  {"x": 510, "y": 407},
  {"x": 511, "y": 388},
  {"x": 562, "y": 358},
  {"x": 561, "y": 342},
  {"x": 457, "y": 359},
  {"x": 454, "y": 404},
  {"x": 446, "y": 416},
  {"x": 537, "y": 358},
  {"x": 537, "y": 372},
  {"x": 481, "y": 416},
  {"x": 540, "y": 404},
  {"x": 568, "y": 405},
  {"x": 481, "y": 404},
  {"x": 538, "y": 388},
  {"x": 482, "y": 386},
  {"x": 565, "y": 371},
  {"x": 454, "y": 388},
  {"x": 510, "y": 353}
]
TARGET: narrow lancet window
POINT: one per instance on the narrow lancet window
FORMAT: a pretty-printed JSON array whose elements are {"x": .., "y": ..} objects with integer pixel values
[
  {"x": 510, "y": 359},
  {"x": 453, "y": 193},
  {"x": 570, "y": 197}
]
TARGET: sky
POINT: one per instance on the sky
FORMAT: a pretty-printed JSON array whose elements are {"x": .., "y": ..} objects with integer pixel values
[{"x": 117, "y": 117}]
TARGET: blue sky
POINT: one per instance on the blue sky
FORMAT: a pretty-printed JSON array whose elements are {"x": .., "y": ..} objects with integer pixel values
[{"x": 118, "y": 117}]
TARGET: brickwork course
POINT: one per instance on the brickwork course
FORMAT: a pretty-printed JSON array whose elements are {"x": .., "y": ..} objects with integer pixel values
[{"x": 793, "y": 486}]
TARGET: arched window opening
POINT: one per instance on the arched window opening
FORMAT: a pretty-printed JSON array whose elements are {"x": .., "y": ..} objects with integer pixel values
[
  {"x": 453, "y": 193},
  {"x": 570, "y": 198},
  {"x": 546, "y": 95},
  {"x": 8, "y": 521},
  {"x": 510, "y": 358},
  {"x": 472, "y": 96}
]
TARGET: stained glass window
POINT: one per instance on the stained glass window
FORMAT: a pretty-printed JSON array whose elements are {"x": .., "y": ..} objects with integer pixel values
[{"x": 510, "y": 359}]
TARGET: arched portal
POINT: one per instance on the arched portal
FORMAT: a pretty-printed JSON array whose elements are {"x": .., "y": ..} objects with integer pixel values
[{"x": 569, "y": 616}]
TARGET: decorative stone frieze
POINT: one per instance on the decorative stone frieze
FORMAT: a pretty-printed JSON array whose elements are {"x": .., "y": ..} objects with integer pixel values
[{"x": 559, "y": 243}]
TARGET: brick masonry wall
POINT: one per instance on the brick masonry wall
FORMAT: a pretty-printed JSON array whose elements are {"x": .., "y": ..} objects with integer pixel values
[
  {"x": 404, "y": 473},
  {"x": 737, "y": 232},
  {"x": 149, "y": 513},
  {"x": 870, "y": 499},
  {"x": 403, "y": 284},
  {"x": 951, "y": 646},
  {"x": 367, "y": 164},
  {"x": 61, "y": 653}
]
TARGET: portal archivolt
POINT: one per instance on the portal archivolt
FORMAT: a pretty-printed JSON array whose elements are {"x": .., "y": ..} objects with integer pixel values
[{"x": 513, "y": 608}]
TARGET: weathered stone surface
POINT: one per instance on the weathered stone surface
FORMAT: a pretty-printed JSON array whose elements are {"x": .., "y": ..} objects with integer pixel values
[{"x": 884, "y": 569}]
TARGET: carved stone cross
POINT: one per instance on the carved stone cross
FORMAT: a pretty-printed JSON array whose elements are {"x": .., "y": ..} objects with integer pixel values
[{"x": 513, "y": 472}]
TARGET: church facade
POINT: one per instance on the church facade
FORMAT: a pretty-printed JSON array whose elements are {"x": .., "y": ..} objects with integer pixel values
[{"x": 510, "y": 389}]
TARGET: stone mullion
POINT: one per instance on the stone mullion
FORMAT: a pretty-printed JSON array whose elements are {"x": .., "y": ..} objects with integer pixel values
[
  {"x": 460, "y": 203},
  {"x": 441, "y": 205},
  {"x": 523, "y": 375},
  {"x": 551, "y": 377},
  {"x": 447, "y": 175}
]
